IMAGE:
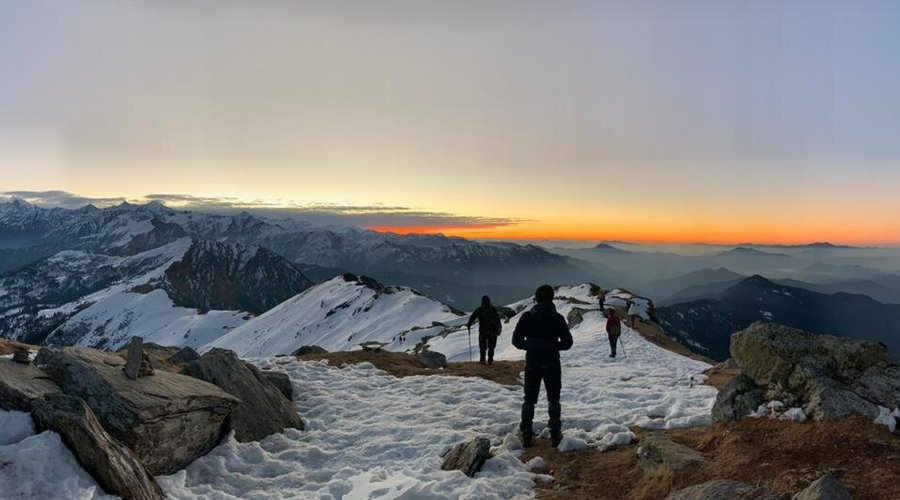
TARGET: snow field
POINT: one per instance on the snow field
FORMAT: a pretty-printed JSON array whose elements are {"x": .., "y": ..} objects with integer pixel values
[
  {"x": 370, "y": 435},
  {"x": 39, "y": 466}
]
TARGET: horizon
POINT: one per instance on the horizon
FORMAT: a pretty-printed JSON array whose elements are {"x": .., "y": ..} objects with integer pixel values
[
  {"x": 300, "y": 216},
  {"x": 719, "y": 123}
]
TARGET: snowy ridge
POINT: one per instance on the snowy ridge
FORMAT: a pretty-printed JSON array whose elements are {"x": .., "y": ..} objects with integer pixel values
[
  {"x": 339, "y": 314},
  {"x": 373, "y": 435}
]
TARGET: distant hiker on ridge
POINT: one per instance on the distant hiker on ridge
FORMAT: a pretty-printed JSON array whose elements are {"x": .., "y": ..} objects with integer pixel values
[
  {"x": 601, "y": 298},
  {"x": 542, "y": 333},
  {"x": 613, "y": 329},
  {"x": 488, "y": 328}
]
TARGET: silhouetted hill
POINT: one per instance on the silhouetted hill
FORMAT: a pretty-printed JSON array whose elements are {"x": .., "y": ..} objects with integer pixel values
[{"x": 706, "y": 325}]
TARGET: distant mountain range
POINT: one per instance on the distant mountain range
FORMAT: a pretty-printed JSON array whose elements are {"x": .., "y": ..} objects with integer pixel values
[
  {"x": 705, "y": 325},
  {"x": 453, "y": 269}
]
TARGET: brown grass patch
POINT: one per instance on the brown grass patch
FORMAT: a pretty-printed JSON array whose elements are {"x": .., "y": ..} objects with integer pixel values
[
  {"x": 7, "y": 345},
  {"x": 719, "y": 375},
  {"x": 782, "y": 456},
  {"x": 656, "y": 335},
  {"x": 404, "y": 365}
]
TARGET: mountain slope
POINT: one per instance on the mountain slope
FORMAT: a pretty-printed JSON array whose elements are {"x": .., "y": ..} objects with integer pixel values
[
  {"x": 29, "y": 233},
  {"x": 339, "y": 314},
  {"x": 706, "y": 325},
  {"x": 184, "y": 293}
]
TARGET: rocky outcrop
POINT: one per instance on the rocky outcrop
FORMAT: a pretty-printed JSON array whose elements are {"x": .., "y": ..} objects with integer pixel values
[
  {"x": 282, "y": 382},
  {"x": 264, "y": 409},
  {"x": 655, "y": 450},
  {"x": 309, "y": 349},
  {"x": 576, "y": 316},
  {"x": 725, "y": 490},
  {"x": 828, "y": 377},
  {"x": 137, "y": 364},
  {"x": 168, "y": 419},
  {"x": 184, "y": 356},
  {"x": 826, "y": 487},
  {"x": 21, "y": 355},
  {"x": 115, "y": 467},
  {"x": 431, "y": 359},
  {"x": 740, "y": 397},
  {"x": 21, "y": 384},
  {"x": 467, "y": 457}
]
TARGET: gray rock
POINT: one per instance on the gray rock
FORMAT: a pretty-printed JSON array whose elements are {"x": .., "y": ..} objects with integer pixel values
[
  {"x": 264, "y": 409},
  {"x": 826, "y": 487},
  {"x": 768, "y": 352},
  {"x": 115, "y": 467},
  {"x": 467, "y": 457},
  {"x": 725, "y": 490},
  {"x": 282, "y": 382},
  {"x": 576, "y": 316},
  {"x": 169, "y": 420},
  {"x": 184, "y": 356},
  {"x": 829, "y": 377},
  {"x": 134, "y": 358},
  {"x": 431, "y": 359},
  {"x": 21, "y": 355},
  {"x": 21, "y": 384},
  {"x": 309, "y": 349},
  {"x": 655, "y": 449},
  {"x": 740, "y": 397}
]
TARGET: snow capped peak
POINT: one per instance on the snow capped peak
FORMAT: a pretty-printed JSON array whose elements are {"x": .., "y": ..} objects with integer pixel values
[{"x": 339, "y": 314}]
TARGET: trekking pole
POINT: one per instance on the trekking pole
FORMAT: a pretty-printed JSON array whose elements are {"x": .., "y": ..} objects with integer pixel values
[
  {"x": 622, "y": 342},
  {"x": 470, "y": 343}
]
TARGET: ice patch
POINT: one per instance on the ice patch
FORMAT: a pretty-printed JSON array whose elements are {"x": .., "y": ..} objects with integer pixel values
[
  {"x": 15, "y": 426},
  {"x": 887, "y": 418},
  {"x": 41, "y": 467},
  {"x": 536, "y": 463}
]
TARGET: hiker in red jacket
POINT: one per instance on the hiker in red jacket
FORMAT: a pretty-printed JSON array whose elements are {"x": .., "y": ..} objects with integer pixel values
[{"x": 613, "y": 329}]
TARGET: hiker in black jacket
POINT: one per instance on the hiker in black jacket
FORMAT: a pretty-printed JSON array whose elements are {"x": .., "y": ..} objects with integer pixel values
[
  {"x": 542, "y": 333},
  {"x": 488, "y": 328}
]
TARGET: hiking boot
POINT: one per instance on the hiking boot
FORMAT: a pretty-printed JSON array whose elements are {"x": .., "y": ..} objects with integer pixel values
[
  {"x": 482, "y": 362},
  {"x": 556, "y": 438},
  {"x": 526, "y": 440},
  {"x": 490, "y": 361},
  {"x": 612, "y": 355}
]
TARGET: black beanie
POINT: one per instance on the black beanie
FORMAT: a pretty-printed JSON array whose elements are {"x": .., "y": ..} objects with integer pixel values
[{"x": 544, "y": 293}]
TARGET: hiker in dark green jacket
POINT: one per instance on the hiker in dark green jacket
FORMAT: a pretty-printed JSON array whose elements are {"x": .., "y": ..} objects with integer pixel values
[{"x": 489, "y": 328}]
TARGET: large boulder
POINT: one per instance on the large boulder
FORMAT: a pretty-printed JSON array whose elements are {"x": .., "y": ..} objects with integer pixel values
[
  {"x": 826, "y": 487},
  {"x": 725, "y": 490},
  {"x": 20, "y": 384},
  {"x": 115, "y": 467},
  {"x": 829, "y": 377},
  {"x": 264, "y": 409},
  {"x": 467, "y": 457},
  {"x": 168, "y": 419},
  {"x": 282, "y": 382},
  {"x": 655, "y": 449}
]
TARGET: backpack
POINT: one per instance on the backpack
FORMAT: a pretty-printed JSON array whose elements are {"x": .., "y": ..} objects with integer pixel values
[
  {"x": 615, "y": 328},
  {"x": 490, "y": 320}
]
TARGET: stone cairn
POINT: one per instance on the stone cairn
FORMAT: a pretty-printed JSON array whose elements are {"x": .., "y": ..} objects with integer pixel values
[
  {"x": 137, "y": 363},
  {"x": 21, "y": 355}
]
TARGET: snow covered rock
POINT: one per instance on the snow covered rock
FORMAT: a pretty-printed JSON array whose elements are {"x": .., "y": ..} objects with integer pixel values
[
  {"x": 168, "y": 419},
  {"x": 431, "y": 359},
  {"x": 725, "y": 490},
  {"x": 740, "y": 397},
  {"x": 826, "y": 487},
  {"x": 828, "y": 377},
  {"x": 116, "y": 468},
  {"x": 263, "y": 410},
  {"x": 21, "y": 384},
  {"x": 468, "y": 457},
  {"x": 655, "y": 449}
]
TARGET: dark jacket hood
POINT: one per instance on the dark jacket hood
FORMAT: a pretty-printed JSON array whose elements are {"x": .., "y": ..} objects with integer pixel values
[{"x": 543, "y": 309}]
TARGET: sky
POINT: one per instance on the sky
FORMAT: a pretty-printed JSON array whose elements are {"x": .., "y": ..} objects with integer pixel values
[{"x": 694, "y": 121}]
